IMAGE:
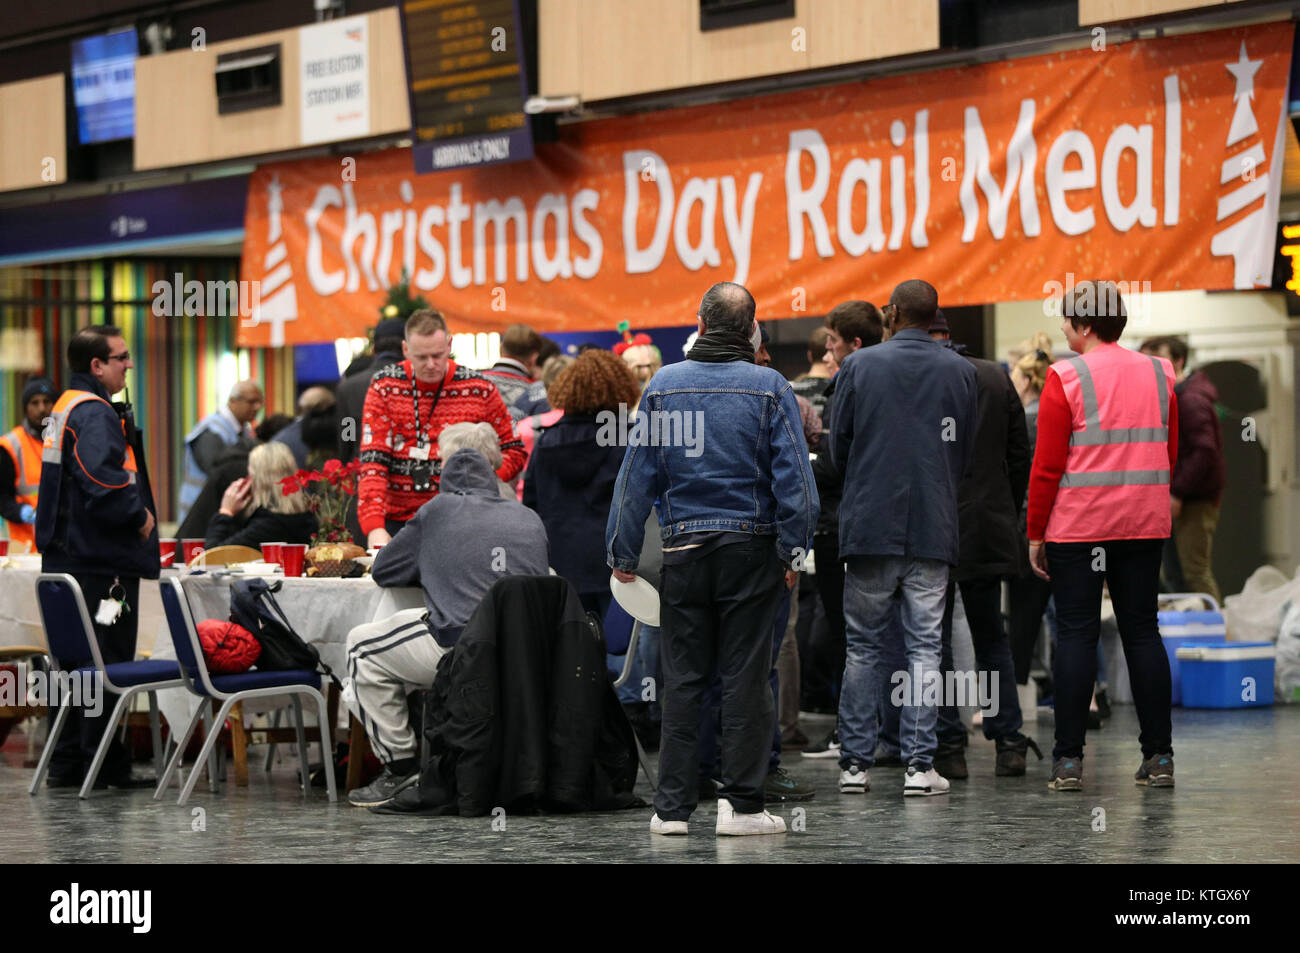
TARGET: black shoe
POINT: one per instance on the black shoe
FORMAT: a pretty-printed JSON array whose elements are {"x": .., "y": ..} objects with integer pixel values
[
  {"x": 1094, "y": 720},
  {"x": 406, "y": 801},
  {"x": 1103, "y": 704},
  {"x": 383, "y": 789},
  {"x": 779, "y": 786},
  {"x": 951, "y": 763},
  {"x": 65, "y": 781},
  {"x": 829, "y": 747},
  {"x": 1011, "y": 755}
]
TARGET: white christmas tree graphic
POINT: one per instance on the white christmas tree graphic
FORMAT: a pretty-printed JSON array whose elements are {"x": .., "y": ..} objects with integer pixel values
[
  {"x": 278, "y": 299},
  {"x": 1250, "y": 239}
]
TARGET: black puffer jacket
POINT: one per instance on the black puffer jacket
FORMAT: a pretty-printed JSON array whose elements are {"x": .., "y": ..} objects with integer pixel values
[{"x": 522, "y": 715}]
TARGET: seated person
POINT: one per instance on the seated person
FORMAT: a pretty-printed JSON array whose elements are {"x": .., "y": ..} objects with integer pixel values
[
  {"x": 273, "y": 517},
  {"x": 229, "y": 468},
  {"x": 455, "y": 547}
]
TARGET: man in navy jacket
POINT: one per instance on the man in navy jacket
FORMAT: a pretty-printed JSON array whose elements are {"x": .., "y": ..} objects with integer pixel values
[
  {"x": 901, "y": 433},
  {"x": 95, "y": 520}
]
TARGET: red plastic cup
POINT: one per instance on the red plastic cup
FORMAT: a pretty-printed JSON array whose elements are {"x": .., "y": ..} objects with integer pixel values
[
  {"x": 167, "y": 553},
  {"x": 4, "y": 548},
  {"x": 271, "y": 552},
  {"x": 190, "y": 548},
  {"x": 291, "y": 557}
]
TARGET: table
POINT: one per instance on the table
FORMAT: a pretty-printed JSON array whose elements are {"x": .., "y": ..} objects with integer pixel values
[
  {"x": 20, "y": 617},
  {"x": 322, "y": 611}
]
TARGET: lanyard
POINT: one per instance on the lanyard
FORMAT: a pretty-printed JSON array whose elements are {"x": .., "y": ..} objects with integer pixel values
[{"x": 415, "y": 400}]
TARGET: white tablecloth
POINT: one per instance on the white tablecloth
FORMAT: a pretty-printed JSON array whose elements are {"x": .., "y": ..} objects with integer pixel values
[
  {"x": 20, "y": 617},
  {"x": 322, "y": 611}
]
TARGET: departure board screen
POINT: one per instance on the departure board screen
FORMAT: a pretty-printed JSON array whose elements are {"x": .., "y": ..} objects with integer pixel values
[{"x": 465, "y": 69}]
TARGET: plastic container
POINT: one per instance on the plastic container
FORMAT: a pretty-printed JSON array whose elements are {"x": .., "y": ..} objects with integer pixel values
[
  {"x": 291, "y": 558},
  {"x": 1227, "y": 674},
  {"x": 167, "y": 553},
  {"x": 190, "y": 548}
]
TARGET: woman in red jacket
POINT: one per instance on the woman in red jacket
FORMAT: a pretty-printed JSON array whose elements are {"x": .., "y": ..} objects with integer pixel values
[{"x": 1099, "y": 514}]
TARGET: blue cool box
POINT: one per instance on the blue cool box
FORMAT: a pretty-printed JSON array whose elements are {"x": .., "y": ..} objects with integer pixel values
[
  {"x": 1216, "y": 674},
  {"x": 1187, "y": 628}
]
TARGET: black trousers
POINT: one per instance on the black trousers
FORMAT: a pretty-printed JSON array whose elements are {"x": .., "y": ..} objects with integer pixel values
[
  {"x": 716, "y": 615},
  {"x": 1029, "y": 596},
  {"x": 81, "y": 733},
  {"x": 1131, "y": 570},
  {"x": 823, "y": 668}
]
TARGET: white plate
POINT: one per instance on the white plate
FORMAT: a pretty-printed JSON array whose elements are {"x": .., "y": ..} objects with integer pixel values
[
  {"x": 363, "y": 561},
  {"x": 638, "y": 598},
  {"x": 22, "y": 561}
]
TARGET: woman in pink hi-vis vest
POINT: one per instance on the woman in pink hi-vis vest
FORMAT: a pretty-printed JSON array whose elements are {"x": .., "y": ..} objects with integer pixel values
[{"x": 1099, "y": 513}]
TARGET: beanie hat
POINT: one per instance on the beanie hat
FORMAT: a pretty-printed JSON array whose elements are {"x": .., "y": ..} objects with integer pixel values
[
  {"x": 940, "y": 323},
  {"x": 36, "y": 387}
]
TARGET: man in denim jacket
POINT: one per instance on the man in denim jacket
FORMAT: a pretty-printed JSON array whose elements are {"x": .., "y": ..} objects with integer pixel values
[{"x": 718, "y": 441}]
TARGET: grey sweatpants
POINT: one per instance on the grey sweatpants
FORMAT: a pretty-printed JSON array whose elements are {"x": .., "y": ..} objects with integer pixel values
[{"x": 386, "y": 661}]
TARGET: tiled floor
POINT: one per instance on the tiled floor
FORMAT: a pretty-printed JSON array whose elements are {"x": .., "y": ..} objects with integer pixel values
[{"x": 1237, "y": 800}]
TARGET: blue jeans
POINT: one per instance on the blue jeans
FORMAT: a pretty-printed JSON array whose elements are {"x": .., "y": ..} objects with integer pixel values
[{"x": 873, "y": 585}]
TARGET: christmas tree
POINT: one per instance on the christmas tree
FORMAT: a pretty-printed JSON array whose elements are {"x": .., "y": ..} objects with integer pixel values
[{"x": 399, "y": 303}]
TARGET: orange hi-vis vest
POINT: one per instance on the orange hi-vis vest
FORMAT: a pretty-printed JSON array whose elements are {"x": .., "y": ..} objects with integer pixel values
[
  {"x": 52, "y": 452},
  {"x": 26, "y": 453},
  {"x": 1116, "y": 480}
]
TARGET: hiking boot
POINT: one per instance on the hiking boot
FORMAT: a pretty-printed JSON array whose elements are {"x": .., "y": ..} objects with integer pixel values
[
  {"x": 1011, "y": 755},
  {"x": 1157, "y": 771},
  {"x": 951, "y": 763},
  {"x": 732, "y": 824},
  {"x": 828, "y": 747},
  {"x": 383, "y": 789},
  {"x": 920, "y": 783},
  {"x": 779, "y": 786},
  {"x": 1067, "y": 775}
]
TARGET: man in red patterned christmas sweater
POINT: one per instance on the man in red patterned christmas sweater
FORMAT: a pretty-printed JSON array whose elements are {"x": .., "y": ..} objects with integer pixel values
[{"x": 407, "y": 406}]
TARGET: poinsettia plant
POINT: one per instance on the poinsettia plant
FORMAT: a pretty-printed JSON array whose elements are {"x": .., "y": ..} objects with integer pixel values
[{"x": 329, "y": 491}]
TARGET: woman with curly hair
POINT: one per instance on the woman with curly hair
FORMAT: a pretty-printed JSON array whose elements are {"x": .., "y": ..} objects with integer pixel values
[{"x": 570, "y": 477}]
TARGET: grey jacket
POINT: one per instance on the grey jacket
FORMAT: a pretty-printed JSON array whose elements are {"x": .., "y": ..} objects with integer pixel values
[{"x": 461, "y": 542}]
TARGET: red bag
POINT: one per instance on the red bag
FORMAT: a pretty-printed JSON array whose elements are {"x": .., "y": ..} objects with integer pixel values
[{"x": 228, "y": 648}]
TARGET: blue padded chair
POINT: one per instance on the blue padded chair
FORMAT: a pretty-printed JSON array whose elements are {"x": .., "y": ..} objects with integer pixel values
[
  {"x": 70, "y": 634},
  {"x": 229, "y": 689}
]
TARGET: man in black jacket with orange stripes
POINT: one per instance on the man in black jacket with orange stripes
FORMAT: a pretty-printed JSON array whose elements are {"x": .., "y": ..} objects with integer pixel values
[{"x": 95, "y": 520}]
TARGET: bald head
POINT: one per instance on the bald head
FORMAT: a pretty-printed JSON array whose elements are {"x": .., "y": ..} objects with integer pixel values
[
  {"x": 915, "y": 303},
  {"x": 245, "y": 401},
  {"x": 727, "y": 306},
  {"x": 314, "y": 399}
]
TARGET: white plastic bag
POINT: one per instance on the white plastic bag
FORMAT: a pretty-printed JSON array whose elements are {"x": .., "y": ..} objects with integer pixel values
[
  {"x": 1287, "y": 671},
  {"x": 1255, "y": 614}
]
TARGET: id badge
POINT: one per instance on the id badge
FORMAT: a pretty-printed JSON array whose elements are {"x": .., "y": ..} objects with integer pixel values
[
  {"x": 422, "y": 478},
  {"x": 420, "y": 452}
]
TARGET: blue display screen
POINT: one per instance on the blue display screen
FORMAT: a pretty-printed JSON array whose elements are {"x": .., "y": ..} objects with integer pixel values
[{"x": 103, "y": 86}]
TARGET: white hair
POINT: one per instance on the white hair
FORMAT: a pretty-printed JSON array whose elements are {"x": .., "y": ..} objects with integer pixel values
[{"x": 471, "y": 436}]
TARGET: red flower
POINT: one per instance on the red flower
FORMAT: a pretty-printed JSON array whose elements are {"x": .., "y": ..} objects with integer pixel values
[{"x": 331, "y": 467}]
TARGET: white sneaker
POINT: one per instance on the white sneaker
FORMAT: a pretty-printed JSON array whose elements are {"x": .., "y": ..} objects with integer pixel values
[
  {"x": 659, "y": 826},
  {"x": 732, "y": 824},
  {"x": 854, "y": 780},
  {"x": 924, "y": 784}
]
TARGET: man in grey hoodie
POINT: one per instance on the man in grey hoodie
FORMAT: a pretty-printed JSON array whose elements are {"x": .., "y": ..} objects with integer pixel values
[{"x": 455, "y": 547}]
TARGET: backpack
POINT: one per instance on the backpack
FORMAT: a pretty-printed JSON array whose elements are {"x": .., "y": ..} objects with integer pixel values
[{"x": 253, "y": 606}]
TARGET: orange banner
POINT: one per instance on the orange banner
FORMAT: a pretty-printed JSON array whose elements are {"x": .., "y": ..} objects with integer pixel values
[{"x": 1152, "y": 161}]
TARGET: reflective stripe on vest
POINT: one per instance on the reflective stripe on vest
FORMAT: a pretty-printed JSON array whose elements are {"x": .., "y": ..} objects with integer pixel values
[
  {"x": 26, "y": 465},
  {"x": 58, "y": 421},
  {"x": 1116, "y": 479},
  {"x": 1092, "y": 435}
]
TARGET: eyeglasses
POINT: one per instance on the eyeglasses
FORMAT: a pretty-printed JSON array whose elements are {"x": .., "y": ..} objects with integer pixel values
[{"x": 123, "y": 357}]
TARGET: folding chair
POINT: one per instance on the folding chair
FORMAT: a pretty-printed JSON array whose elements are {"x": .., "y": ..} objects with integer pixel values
[
  {"x": 629, "y": 659},
  {"x": 70, "y": 634},
  {"x": 229, "y": 689}
]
